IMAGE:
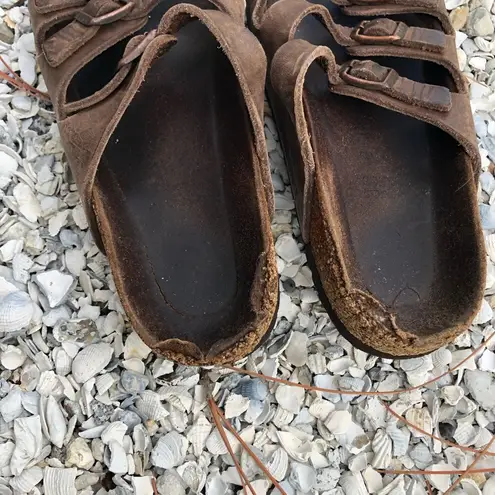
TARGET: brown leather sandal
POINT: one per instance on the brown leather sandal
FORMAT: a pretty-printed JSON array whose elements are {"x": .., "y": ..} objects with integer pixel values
[
  {"x": 377, "y": 130},
  {"x": 163, "y": 131}
]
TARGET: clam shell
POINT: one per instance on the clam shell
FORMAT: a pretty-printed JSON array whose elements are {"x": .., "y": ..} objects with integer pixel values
[
  {"x": 489, "y": 486},
  {"x": 353, "y": 484},
  {"x": 6, "y": 451},
  {"x": 141, "y": 438},
  {"x": 321, "y": 409},
  {"x": 62, "y": 361},
  {"x": 198, "y": 434},
  {"x": 193, "y": 475},
  {"x": 441, "y": 358},
  {"x": 299, "y": 450},
  {"x": 16, "y": 311},
  {"x": 114, "y": 431},
  {"x": 104, "y": 382},
  {"x": 116, "y": 458},
  {"x": 302, "y": 477},
  {"x": 171, "y": 483},
  {"x": 53, "y": 420},
  {"x": 317, "y": 363},
  {"x": 59, "y": 481},
  {"x": 470, "y": 487},
  {"x": 177, "y": 418},
  {"x": 27, "y": 480},
  {"x": 297, "y": 350},
  {"x": 90, "y": 361},
  {"x": 421, "y": 456},
  {"x": 420, "y": 418},
  {"x": 142, "y": 485},
  {"x": 169, "y": 451},
  {"x": 440, "y": 481},
  {"x": 235, "y": 405},
  {"x": 150, "y": 405},
  {"x": 30, "y": 376},
  {"x": 465, "y": 434},
  {"x": 12, "y": 357},
  {"x": 178, "y": 396},
  {"x": 282, "y": 417},
  {"x": 214, "y": 443},
  {"x": 373, "y": 480},
  {"x": 11, "y": 405},
  {"x": 28, "y": 443},
  {"x": 278, "y": 464},
  {"x": 382, "y": 448},
  {"x": 79, "y": 454},
  {"x": 135, "y": 348},
  {"x": 452, "y": 394},
  {"x": 290, "y": 398},
  {"x": 339, "y": 422},
  {"x": 253, "y": 389}
]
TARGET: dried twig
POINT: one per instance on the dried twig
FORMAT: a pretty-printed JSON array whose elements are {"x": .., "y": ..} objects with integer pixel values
[
  {"x": 17, "y": 81},
  {"x": 428, "y": 487},
  {"x": 370, "y": 393},
  {"x": 217, "y": 418}
]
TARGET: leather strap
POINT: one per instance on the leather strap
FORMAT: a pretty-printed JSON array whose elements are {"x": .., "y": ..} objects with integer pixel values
[
  {"x": 370, "y": 82},
  {"x": 86, "y": 132},
  {"x": 377, "y": 37},
  {"x": 46, "y": 6}
]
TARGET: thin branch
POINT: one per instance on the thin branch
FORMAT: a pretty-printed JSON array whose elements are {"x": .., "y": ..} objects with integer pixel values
[
  {"x": 153, "y": 485},
  {"x": 255, "y": 458},
  {"x": 19, "y": 83},
  {"x": 218, "y": 422},
  {"x": 471, "y": 467},
  {"x": 430, "y": 435},
  {"x": 428, "y": 487},
  {"x": 351, "y": 392}
]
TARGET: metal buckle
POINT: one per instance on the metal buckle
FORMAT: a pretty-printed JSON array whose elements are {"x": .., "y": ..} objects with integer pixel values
[
  {"x": 101, "y": 20},
  {"x": 358, "y": 34},
  {"x": 346, "y": 75}
]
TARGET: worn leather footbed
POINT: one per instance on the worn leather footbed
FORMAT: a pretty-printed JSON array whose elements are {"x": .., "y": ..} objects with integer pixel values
[
  {"x": 404, "y": 199},
  {"x": 175, "y": 197}
]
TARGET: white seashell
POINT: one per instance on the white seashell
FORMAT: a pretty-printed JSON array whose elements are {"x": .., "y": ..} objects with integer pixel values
[
  {"x": 11, "y": 405},
  {"x": 178, "y": 396},
  {"x": 62, "y": 361},
  {"x": 55, "y": 285},
  {"x": 150, "y": 405},
  {"x": 171, "y": 483},
  {"x": 282, "y": 417},
  {"x": 28, "y": 443},
  {"x": 440, "y": 481},
  {"x": 114, "y": 431},
  {"x": 27, "y": 203},
  {"x": 215, "y": 444},
  {"x": 321, "y": 409},
  {"x": 489, "y": 486},
  {"x": 290, "y": 398},
  {"x": 400, "y": 439},
  {"x": 421, "y": 456},
  {"x": 441, "y": 358},
  {"x": 141, "y": 438},
  {"x": 465, "y": 434},
  {"x": 31, "y": 402},
  {"x": 27, "y": 480},
  {"x": 420, "y": 418},
  {"x": 373, "y": 480},
  {"x": 170, "y": 451},
  {"x": 490, "y": 246},
  {"x": 452, "y": 394},
  {"x": 253, "y": 389},
  {"x": 302, "y": 477},
  {"x": 104, "y": 382},
  {"x": 50, "y": 384},
  {"x": 16, "y": 311},
  {"x": 297, "y": 350},
  {"x": 30, "y": 376},
  {"x": 178, "y": 419},
  {"x": 484, "y": 315},
  {"x": 134, "y": 364},
  {"x": 469, "y": 487},
  {"x": 235, "y": 405},
  {"x": 135, "y": 348},
  {"x": 216, "y": 486},
  {"x": 339, "y": 422},
  {"x": 198, "y": 434},
  {"x": 353, "y": 484},
  {"x": 142, "y": 485},
  {"x": 116, "y": 458},
  {"x": 13, "y": 357},
  {"x": 59, "y": 481},
  {"x": 6, "y": 451},
  {"x": 299, "y": 450},
  {"x": 53, "y": 420},
  {"x": 317, "y": 363},
  {"x": 79, "y": 454},
  {"x": 90, "y": 361},
  {"x": 487, "y": 361},
  {"x": 382, "y": 448},
  {"x": 456, "y": 457},
  {"x": 278, "y": 464},
  {"x": 193, "y": 475}
]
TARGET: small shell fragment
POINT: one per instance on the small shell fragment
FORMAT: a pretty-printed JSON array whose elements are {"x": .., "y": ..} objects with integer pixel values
[{"x": 90, "y": 361}]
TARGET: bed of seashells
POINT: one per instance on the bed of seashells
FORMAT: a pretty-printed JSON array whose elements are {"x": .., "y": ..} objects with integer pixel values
[{"x": 86, "y": 408}]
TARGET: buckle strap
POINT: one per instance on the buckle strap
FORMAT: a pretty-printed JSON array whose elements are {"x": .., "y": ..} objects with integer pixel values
[
  {"x": 367, "y": 74},
  {"x": 387, "y": 31}
]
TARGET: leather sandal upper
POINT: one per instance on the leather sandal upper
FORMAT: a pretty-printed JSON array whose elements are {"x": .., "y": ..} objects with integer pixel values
[
  {"x": 446, "y": 108},
  {"x": 70, "y": 34}
]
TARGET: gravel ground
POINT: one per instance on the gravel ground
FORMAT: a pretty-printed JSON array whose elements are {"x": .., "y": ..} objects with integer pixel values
[{"x": 86, "y": 408}]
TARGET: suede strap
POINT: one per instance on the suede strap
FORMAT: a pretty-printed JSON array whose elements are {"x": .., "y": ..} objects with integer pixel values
[{"x": 367, "y": 81}]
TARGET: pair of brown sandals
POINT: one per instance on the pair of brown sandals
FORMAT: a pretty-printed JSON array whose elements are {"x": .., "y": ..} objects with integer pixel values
[{"x": 160, "y": 108}]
